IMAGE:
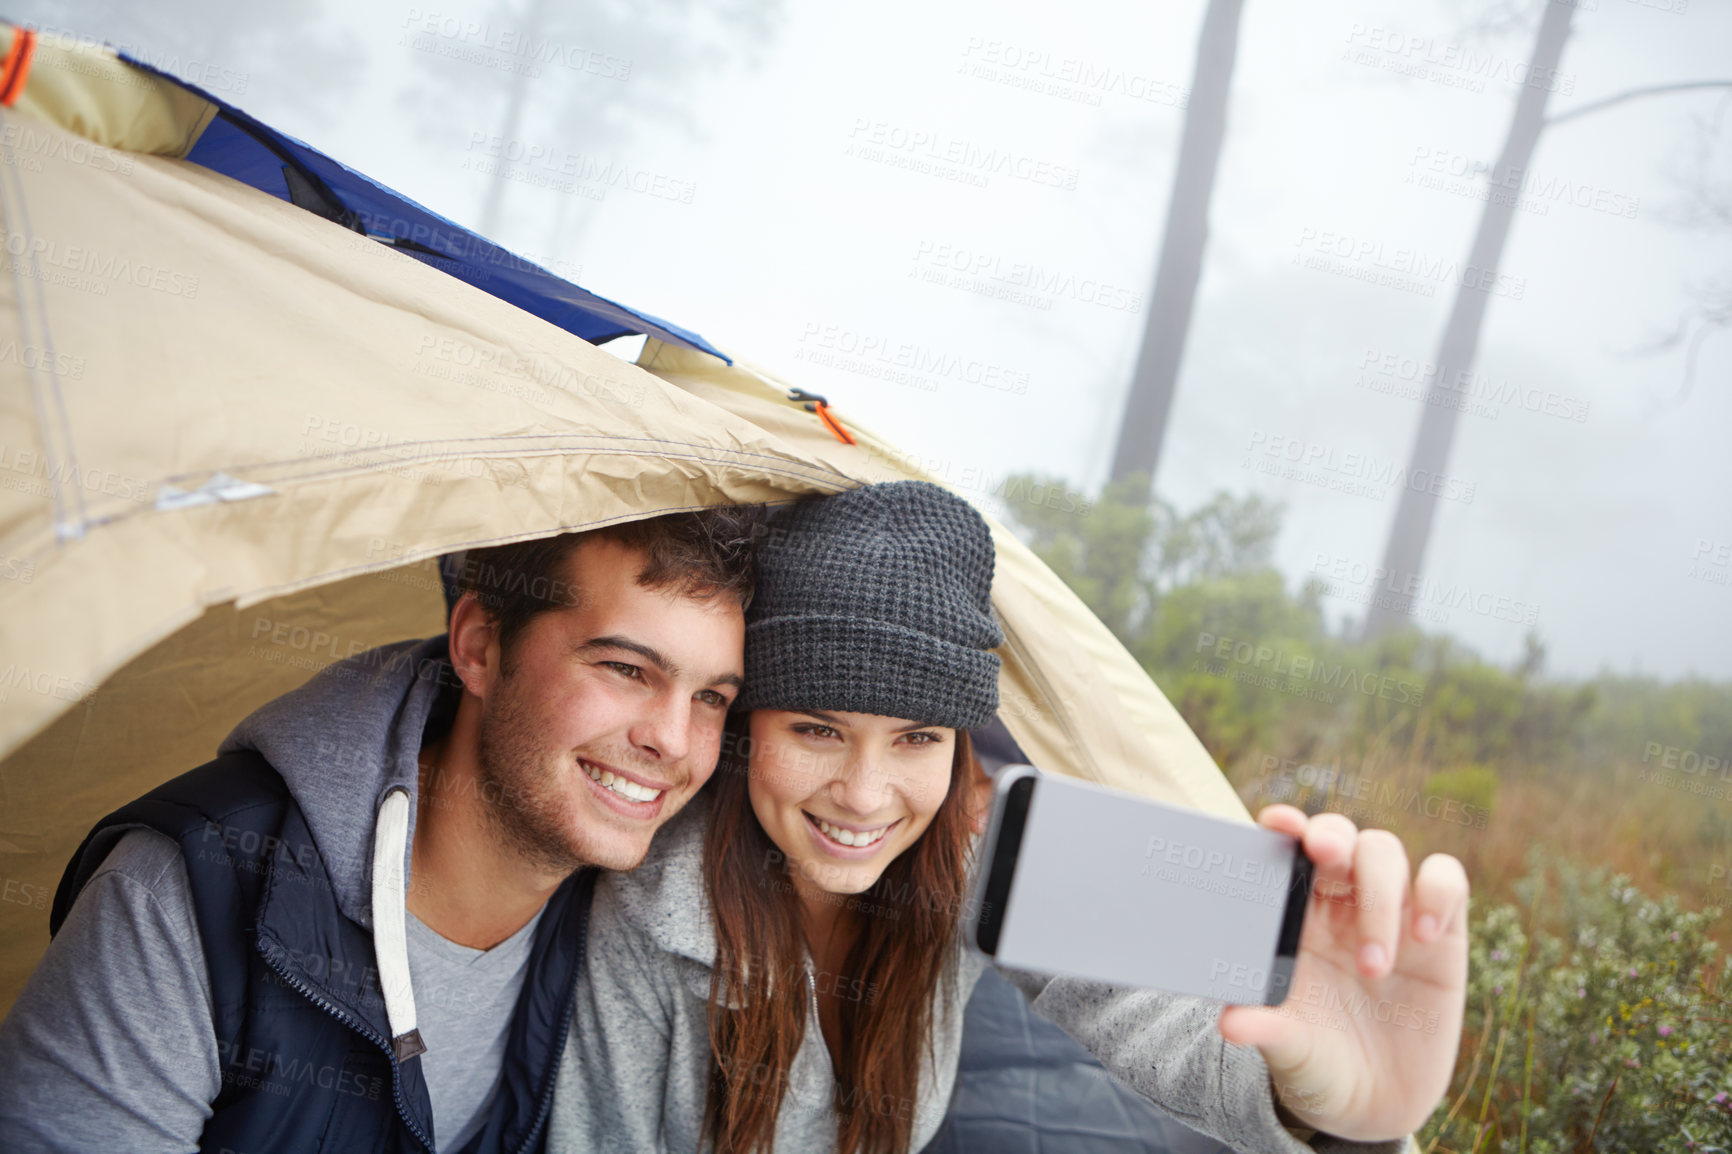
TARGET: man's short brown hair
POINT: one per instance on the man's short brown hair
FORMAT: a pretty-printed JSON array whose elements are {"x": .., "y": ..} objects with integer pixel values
[{"x": 704, "y": 555}]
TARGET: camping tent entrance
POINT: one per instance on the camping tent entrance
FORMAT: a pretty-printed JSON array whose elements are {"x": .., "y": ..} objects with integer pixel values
[{"x": 237, "y": 434}]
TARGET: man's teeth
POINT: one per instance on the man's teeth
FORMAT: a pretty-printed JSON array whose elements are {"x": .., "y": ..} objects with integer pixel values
[
  {"x": 630, "y": 790},
  {"x": 848, "y": 836}
]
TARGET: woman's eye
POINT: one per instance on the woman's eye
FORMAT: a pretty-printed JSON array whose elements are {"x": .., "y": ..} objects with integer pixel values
[
  {"x": 815, "y": 730},
  {"x": 922, "y": 738}
]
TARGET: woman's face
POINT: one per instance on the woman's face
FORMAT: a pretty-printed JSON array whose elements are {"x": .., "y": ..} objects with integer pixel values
[{"x": 842, "y": 794}]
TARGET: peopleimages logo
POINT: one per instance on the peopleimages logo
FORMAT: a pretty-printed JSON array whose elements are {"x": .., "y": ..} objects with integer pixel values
[
  {"x": 35, "y": 471},
  {"x": 935, "y": 153},
  {"x": 1686, "y": 770},
  {"x": 1356, "y": 474},
  {"x": 1445, "y": 170},
  {"x": 1417, "y": 594},
  {"x": 1018, "y": 281},
  {"x": 1711, "y": 562},
  {"x": 563, "y": 170},
  {"x": 1013, "y": 490},
  {"x": 37, "y": 357},
  {"x": 1687, "y": 761},
  {"x": 1066, "y": 77},
  {"x": 1466, "y": 390},
  {"x": 90, "y": 269},
  {"x": 1303, "y": 668},
  {"x": 901, "y": 362},
  {"x": 1397, "y": 266},
  {"x": 211, "y": 77},
  {"x": 480, "y": 41},
  {"x": 28, "y": 145},
  {"x": 45, "y": 682},
  {"x": 1358, "y": 795},
  {"x": 1429, "y": 57}
]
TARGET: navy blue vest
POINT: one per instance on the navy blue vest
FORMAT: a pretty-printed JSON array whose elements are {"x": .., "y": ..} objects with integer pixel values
[{"x": 300, "y": 1019}]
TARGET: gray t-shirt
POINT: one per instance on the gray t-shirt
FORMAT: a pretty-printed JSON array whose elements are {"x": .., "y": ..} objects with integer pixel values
[
  {"x": 111, "y": 1046},
  {"x": 463, "y": 1004}
]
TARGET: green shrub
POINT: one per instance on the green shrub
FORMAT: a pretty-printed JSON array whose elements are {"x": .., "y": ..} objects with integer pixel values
[
  {"x": 1597, "y": 1019},
  {"x": 1474, "y": 785}
]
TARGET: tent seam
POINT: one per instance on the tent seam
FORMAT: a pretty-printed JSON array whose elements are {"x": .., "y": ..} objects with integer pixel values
[
  {"x": 503, "y": 440},
  {"x": 359, "y": 472}
]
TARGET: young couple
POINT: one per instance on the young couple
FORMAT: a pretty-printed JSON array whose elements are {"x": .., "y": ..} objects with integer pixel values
[{"x": 368, "y": 924}]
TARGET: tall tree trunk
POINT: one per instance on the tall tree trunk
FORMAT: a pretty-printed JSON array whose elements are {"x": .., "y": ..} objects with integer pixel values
[
  {"x": 492, "y": 209},
  {"x": 1169, "y": 317},
  {"x": 1404, "y": 555}
]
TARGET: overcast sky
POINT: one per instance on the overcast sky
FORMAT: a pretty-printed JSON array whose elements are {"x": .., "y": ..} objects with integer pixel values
[{"x": 808, "y": 187}]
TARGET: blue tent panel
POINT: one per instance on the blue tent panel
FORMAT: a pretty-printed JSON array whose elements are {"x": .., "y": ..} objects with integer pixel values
[{"x": 244, "y": 149}]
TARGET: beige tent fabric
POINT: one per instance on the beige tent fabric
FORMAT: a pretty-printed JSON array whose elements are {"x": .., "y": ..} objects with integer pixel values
[
  {"x": 89, "y": 91},
  {"x": 1071, "y": 695},
  {"x": 232, "y": 435}
]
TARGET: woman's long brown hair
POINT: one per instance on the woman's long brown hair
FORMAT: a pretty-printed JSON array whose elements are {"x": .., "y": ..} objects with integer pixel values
[{"x": 905, "y": 937}]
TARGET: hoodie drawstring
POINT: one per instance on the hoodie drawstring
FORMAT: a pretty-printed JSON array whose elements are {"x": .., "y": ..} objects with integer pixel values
[{"x": 390, "y": 930}]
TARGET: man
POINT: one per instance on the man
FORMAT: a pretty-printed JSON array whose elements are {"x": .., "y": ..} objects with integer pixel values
[{"x": 360, "y": 927}]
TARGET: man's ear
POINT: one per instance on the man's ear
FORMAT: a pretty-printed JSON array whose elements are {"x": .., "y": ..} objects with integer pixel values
[{"x": 474, "y": 645}]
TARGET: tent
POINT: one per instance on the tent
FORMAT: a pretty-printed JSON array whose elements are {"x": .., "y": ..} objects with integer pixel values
[{"x": 251, "y": 397}]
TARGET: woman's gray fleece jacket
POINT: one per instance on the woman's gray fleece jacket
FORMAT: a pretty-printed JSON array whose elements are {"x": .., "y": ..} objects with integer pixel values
[{"x": 636, "y": 1066}]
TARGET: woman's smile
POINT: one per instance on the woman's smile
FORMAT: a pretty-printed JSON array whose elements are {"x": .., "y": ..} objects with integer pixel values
[{"x": 851, "y": 841}]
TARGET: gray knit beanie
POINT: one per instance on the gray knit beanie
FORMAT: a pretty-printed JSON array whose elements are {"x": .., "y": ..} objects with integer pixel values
[{"x": 876, "y": 600}]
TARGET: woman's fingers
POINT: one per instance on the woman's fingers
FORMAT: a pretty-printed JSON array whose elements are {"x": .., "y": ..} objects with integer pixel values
[
  {"x": 1439, "y": 898},
  {"x": 1380, "y": 876},
  {"x": 1286, "y": 819},
  {"x": 1285, "y": 1042},
  {"x": 1329, "y": 839},
  {"x": 1368, "y": 872}
]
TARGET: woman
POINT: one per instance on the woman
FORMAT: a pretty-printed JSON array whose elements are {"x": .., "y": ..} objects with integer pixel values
[{"x": 784, "y": 970}]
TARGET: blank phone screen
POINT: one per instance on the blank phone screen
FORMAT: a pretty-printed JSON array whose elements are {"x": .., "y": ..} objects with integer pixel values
[{"x": 1116, "y": 888}]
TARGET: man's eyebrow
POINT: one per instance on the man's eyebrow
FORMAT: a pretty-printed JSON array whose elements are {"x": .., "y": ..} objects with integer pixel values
[
  {"x": 655, "y": 657},
  {"x": 648, "y": 652}
]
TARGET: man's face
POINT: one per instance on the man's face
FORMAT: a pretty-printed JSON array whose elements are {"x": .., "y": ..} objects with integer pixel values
[{"x": 610, "y": 716}]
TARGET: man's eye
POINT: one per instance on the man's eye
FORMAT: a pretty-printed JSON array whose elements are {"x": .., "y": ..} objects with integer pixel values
[
  {"x": 625, "y": 668},
  {"x": 711, "y": 697}
]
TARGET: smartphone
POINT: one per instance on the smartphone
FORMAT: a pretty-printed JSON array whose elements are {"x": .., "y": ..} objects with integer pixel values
[{"x": 1096, "y": 883}]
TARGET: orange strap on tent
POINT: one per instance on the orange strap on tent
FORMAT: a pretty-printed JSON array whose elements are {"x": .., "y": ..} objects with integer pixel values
[
  {"x": 15, "y": 67},
  {"x": 835, "y": 426},
  {"x": 821, "y": 406}
]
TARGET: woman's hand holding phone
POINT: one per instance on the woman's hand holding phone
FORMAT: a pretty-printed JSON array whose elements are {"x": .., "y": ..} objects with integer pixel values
[{"x": 1365, "y": 1044}]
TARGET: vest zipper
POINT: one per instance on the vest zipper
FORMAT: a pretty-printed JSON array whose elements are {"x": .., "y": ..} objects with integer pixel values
[
  {"x": 546, "y": 1102},
  {"x": 812, "y": 988},
  {"x": 365, "y": 1031}
]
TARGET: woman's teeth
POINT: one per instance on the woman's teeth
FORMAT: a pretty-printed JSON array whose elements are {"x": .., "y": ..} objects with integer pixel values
[
  {"x": 629, "y": 790},
  {"x": 848, "y": 836}
]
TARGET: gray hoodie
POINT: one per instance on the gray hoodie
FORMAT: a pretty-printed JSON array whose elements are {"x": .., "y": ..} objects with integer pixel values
[
  {"x": 636, "y": 1067},
  {"x": 111, "y": 1043}
]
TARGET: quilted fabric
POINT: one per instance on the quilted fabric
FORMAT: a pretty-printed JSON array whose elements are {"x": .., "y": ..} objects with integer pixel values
[{"x": 1024, "y": 1086}]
